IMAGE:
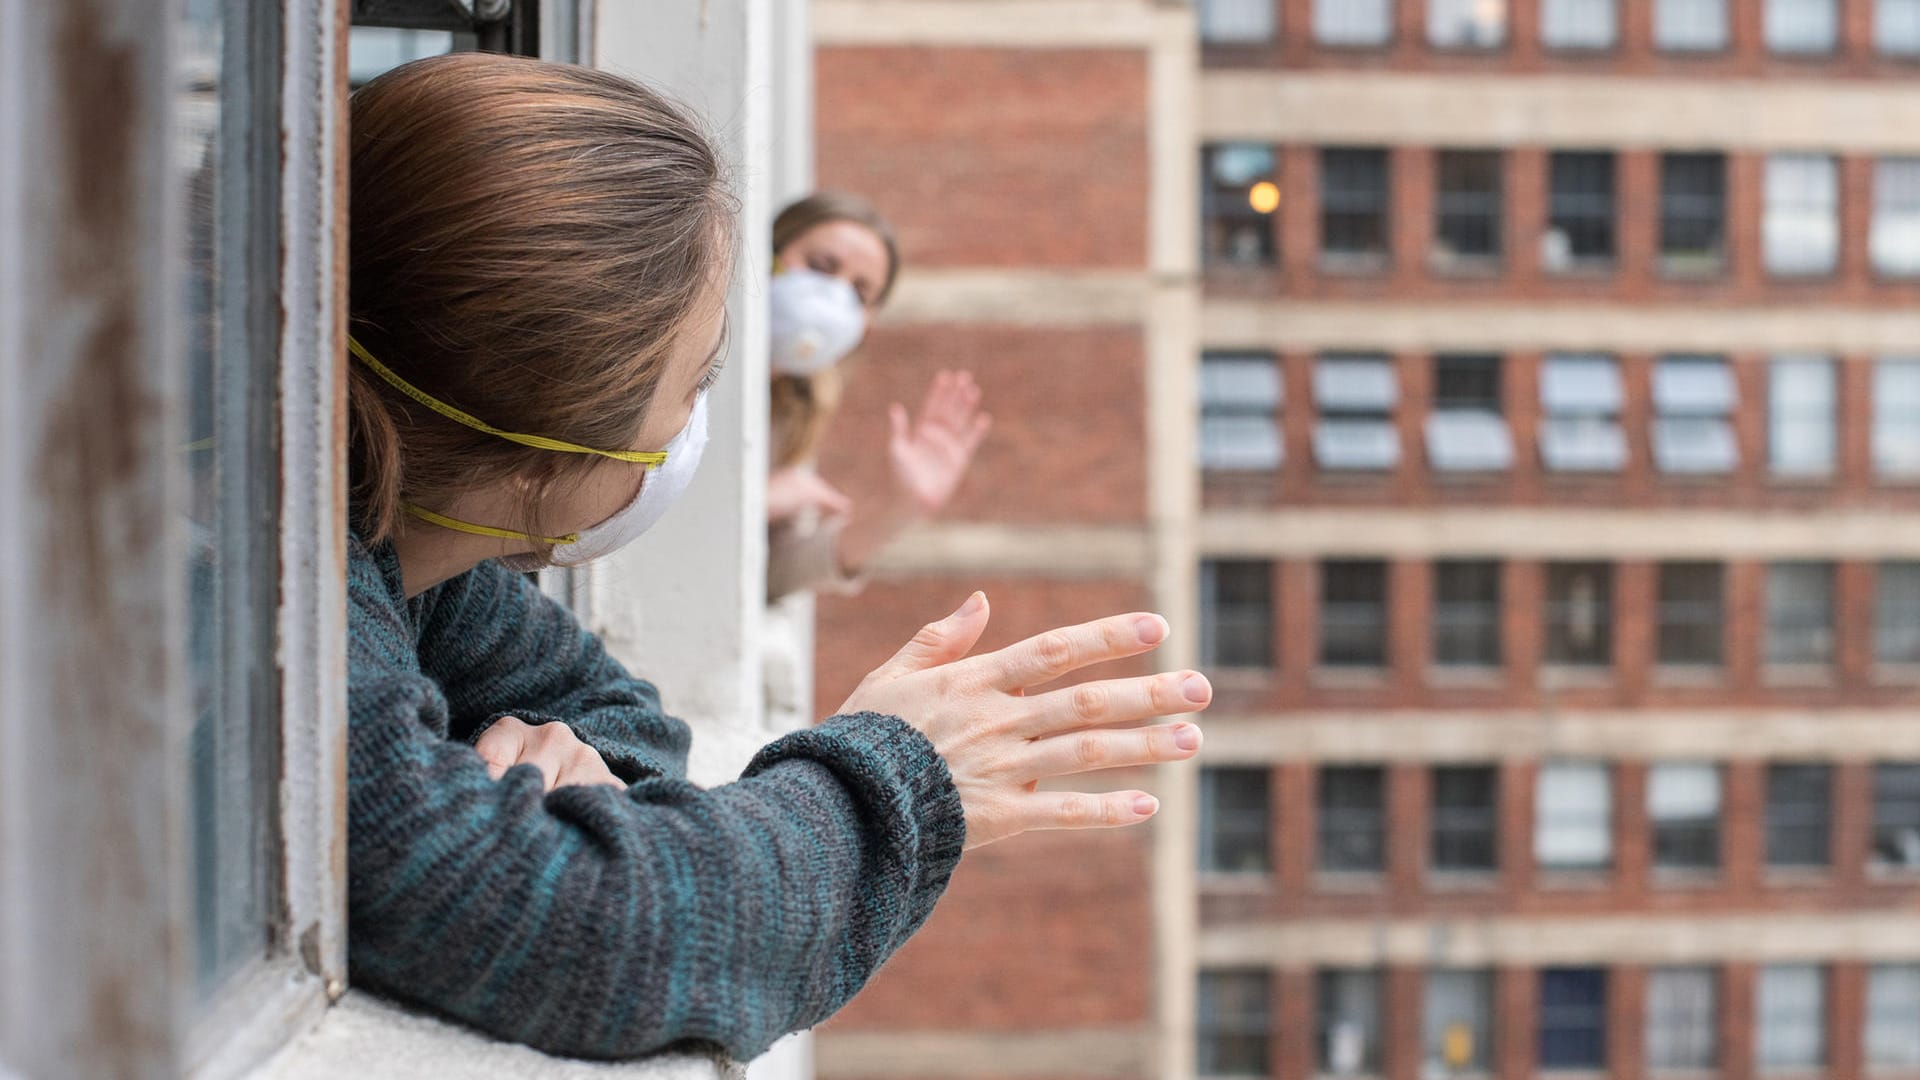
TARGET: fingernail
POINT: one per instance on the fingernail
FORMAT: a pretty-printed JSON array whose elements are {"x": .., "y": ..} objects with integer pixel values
[
  {"x": 1150, "y": 629},
  {"x": 1145, "y": 805},
  {"x": 973, "y": 603},
  {"x": 1187, "y": 737},
  {"x": 1195, "y": 689}
]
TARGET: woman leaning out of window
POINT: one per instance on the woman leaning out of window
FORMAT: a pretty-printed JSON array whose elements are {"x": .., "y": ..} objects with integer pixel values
[
  {"x": 539, "y": 259},
  {"x": 835, "y": 263}
]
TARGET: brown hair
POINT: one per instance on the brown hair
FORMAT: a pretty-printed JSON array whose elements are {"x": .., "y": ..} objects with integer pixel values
[
  {"x": 527, "y": 240},
  {"x": 801, "y": 405}
]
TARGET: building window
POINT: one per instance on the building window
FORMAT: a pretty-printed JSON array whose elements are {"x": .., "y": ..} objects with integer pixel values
[
  {"x": 1580, "y": 225},
  {"x": 1355, "y": 396},
  {"x": 1580, "y": 614},
  {"x": 1466, "y": 819},
  {"x": 1578, "y": 24},
  {"x": 1236, "y": 614},
  {"x": 1802, "y": 26},
  {"x": 1693, "y": 214},
  {"x": 1573, "y": 1018},
  {"x": 1894, "y": 239},
  {"x": 1799, "y": 821},
  {"x": 1580, "y": 432},
  {"x": 1801, "y": 401},
  {"x": 1467, "y": 210},
  {"x": 1690, "y": 25},
  {"x": 1896, "y": 818},
  {"x": 1896, "y": 418},
  {"x": 1240, "y": 398},
  {"x": 1235, "y": 1016},
  {"x": 1800, "y": 613},
  {"x": 1353, "y": 819},
  {"x": 1573, "y": 816},
  {"x": 1683, "y": 1016},
  {"x": 1691, "y": 615},
  {"x": 1236, "y": 22},
  {"x": 1353, "y": 613},
  {"x": 1683, "y": 802},
  {"x": 1790, "y": 1018},
  {"x": 1896, "y": 27},
  {"x": 1241, "y": 191},
  {"x": 1466, "y": 613},
  {"x": 1893, "y": 1003},
  {"x": 1347, "y": 1022},
  {"x": 1801, "y": 230},
  {"x": 1466, "y": 432},
  {"x": 1457, "y": 1023},
  {"x": 1693, "y": 397},
  {"x": 1235, "y": 821},
  {"x": 1353, "y": 23},
  {"x": 1353, "y": 209},
  {"x": 1466, "y": 24},
  {"x": 1896, "y": 614}
]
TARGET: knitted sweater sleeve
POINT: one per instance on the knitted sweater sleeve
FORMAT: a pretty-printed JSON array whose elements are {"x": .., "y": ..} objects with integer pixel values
[
  {"x": 498, "y": 646},
  {"x": 608, "y": 923}
]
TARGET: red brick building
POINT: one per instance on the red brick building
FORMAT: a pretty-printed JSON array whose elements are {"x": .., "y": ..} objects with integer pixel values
[{"x": 1518, "y": 404}]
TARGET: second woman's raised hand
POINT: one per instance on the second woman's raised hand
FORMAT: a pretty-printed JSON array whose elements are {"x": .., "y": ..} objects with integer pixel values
[
  {"x": 999, "y": 742},
  {"x": 930, "y": 455}
]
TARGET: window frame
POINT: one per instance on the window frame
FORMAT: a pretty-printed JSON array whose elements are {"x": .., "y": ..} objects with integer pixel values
[
  {"x": 1895, "y": 810},
  {"x": 1357, "y": 209},
  {"x": 1706, "y": 1035},
  {"x": 1786, "y": 201},
  {"x": 1686, "y": 202},
  {"x": 1788, "y": 407},
  {"x": 1592, "y": 205},
  {"x": 1557, "y": 610},
  {"x": 1218, "y": 825},
  {"x": 1595, "y": 1013},
  {"x": 1782, "y": 620},
  {"x": 1769, "y": 1023},
  {"x": 1473, "y": 617},
  {"x": 1693, "y": 827},
  {"x": 1211, "y": 608},
  {"x": 1686, "y": 615},
  {"x": 1225, "y": 208},
  {"x": 1813, "y": 815},
  {"x": 1477, "y": 823},
  {"x": 1366, "y": 984},
  {"x": 1604, "y": 815},
  {"x": 1263, "y": 415},
  {"x": 1330, "y": 821},
  {"x": 71, "y": 941},
  {"x": 1212, "y": 1024},
  {"x": 1357, "y": 613},
  {"x": 1475, "y": 210}
]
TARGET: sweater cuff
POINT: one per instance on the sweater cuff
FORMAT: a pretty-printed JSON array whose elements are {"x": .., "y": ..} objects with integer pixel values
[{"x": 902, "y": 783}]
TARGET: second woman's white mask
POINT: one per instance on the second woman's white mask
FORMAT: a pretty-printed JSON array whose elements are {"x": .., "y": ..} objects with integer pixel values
[
  {"x": 658, "y": 491},
  {"x": 817, "y": 319}
]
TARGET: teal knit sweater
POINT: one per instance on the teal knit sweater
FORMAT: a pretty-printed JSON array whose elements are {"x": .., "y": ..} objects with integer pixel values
[{"x": 595, "y": 921}]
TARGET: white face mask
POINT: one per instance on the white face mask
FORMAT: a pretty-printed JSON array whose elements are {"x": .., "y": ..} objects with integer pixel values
[
  {"x": 660, "y": 489},
  {"x": 817, "y": 319}
]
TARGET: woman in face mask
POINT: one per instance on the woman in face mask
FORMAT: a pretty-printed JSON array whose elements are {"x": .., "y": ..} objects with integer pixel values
[
  {"x": 835, "y": 263},
  {"x": 539, "y": 260}
]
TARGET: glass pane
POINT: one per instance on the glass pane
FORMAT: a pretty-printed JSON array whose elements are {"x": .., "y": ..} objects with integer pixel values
[
  {"x": 1466, "y": 818},
  {"x": 1353, "y": 22},
  {"x": 1466, "y": 614},
  {"x": 1894, "y": 239},
  {"x": 1467, "y": 24},
  {"x": 1893, "y": 1017},
  {"x": 1467, "y": 208},
  {"x": 1896, "y": 418},
  {"x": 1790, "y": 1026},
  {"x": 1353, "y": 203},
  {"x": 1580, "y": 385},
  {"x": 1896, "y": 32},
  {"x": 225, "y": 151},
  {"x": 1580, "y": 614},
  {"x": 1234, "y": 821},
  {"x": 1693, "y": 386},
  {"x": 1682, "y": 1018},
  {"x": 1236, "y": 614},
  {"x": 1578, "y": 24},
  {"x": 1896, "y": 816},
  {"x": 1353, "y": 614},
  {"x": 1348, "y": 1022},
  {"x": 1458, "y": 1023},
  {"x": 1683, "y": 802},
  {"x": 1227, "y": 22},
  {"x": 1233, "y": 1022},
  {"x": 1690, "y": 25},
  {"x": 1352, "y": 807},
  {"x": 1239, "y": 194},
  {"x": 1800, "y": 416},
  {"x": 1801, "y": 231},
  {"x": 1802, "y": 26},
  {"x": 1800, "y": 613},
  {"x": 1799, "y": 815},
  {"x": 1693, "y": 213},
  {"x": 1896, "y": 613},
  {"x": 1573, "y": 814},
  {"x": 1573, "y": 1018},
  {"x": 372, "y": 50}
]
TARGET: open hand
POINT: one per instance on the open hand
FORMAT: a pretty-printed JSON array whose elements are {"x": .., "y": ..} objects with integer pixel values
[
  {"x": 998, "y": 742},
  {"x": 552, "y": 748},
  {"x": 795, "y": 490},
  {"x": 930, "y": 455}
]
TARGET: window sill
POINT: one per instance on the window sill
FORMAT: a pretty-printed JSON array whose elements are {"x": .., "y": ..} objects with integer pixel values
[
  {"x": 1690, "y": 676},
  {"x": 371, "y": 1039},
  {"x": 1350, "y": 678},
  {"x": 1897, "y": 674},
  {"x": 1797, "y": 877},
  {"x": 1679, "y": 880},
  {"x": 1887, "y": 873},
  {"x": 1791, "y": 676},
  {"x": 1463, "y": 677},
  {"x": 1218, "y": 882},
  {"x": 1572, "y": 677},
  {"x": 1349, "y": 881},
  {"x": 1463, "y": 881},
  {"x": 1573, "y": 880}
]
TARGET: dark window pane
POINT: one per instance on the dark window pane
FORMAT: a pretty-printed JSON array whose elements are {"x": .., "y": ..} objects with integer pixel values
[
  {"x": 1233, "y": 1022},
  {"x": 1235, "y": 819},
  {"x": 1353, "y": 204},
  {"x": 1581, "y": 210},
  {"x": 1691, "y": 618},
  {"x": 1236, "y": 614},
  {"x": 1467, "y": 208},
  {"x": 1580, "y": 614},
  {"x": 1466, "y": 614},
  {"x": 1239, "y": 194},
  {"x": 1693, "y": 213},
  {"x": 1799, "y": 815},
  {"x": 1573, "y": 1018},
  {"x": 1800, "y": 613},
  {"x": 1466, "y": 381},
  {"x": 1352, "y": 810},
  {"x": 1896, "y": 815},
  {"x": 1347, "y": 1022},
  {"x": 1466, "y": 817},
  {"x": 1353, "y": 614},
  {"x": 1896, "y": 613},
  {"x": 1683, "y": 802}
]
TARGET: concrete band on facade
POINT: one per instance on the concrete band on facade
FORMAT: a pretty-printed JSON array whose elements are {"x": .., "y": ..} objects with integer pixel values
[
  {"x": 1048, "y": 24},
  {"x": 1378, "y": 107},
  {"x": 1557, "y": 533},
  {"x": 1097, "y": 1053},
  {"x": 1522, "y": 941},
  {"x": 1473, "y": 736}
]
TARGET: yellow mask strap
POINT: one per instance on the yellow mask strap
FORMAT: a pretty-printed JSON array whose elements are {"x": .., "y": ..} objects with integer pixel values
[
  {"x": 538, "y": 442},
  {"x": 469, "y": 527}
]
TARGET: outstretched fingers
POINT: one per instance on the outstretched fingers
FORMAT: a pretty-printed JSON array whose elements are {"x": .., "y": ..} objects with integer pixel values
[
  {"x": 1046, "y": 657},
  {"x": 1085, "y": 810},
  {"x": 1115, "y": 701},
  {"x": 942, "y": 642}
]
